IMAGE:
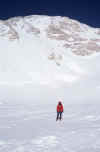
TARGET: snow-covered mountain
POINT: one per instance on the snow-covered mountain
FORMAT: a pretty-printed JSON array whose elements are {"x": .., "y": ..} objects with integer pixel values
[
  {"x": 50, "y": 52},
  {"x": 42, "y": 60},
  {"x": 80, "y": 38}
]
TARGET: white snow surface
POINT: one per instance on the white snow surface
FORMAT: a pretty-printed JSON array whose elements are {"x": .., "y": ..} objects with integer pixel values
[
  {"x": 33, "y": 128},
  {"x": 42, "y": 60},
  {"x": 33, "y": 59}
]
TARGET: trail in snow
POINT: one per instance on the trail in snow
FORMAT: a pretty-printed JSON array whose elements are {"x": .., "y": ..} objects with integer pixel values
[{"x": 33, "y": 128}]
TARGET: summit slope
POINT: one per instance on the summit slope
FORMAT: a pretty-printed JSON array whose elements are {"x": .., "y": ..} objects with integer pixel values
[
  {"x": 81, "y": 39},
  {"x": 58, "y": 54}
]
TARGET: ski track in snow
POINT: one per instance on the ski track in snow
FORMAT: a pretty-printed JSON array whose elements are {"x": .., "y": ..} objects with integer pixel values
[{"x": 32, "y": 128}]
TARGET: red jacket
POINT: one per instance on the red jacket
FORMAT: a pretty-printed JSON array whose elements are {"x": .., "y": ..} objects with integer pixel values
[{"x": 59, "y": 108}]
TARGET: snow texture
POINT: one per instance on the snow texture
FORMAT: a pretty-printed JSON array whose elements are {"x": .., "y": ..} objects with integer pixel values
[
  {"x": 33, "y": 128},
  {"x": 43, "y": 60}
]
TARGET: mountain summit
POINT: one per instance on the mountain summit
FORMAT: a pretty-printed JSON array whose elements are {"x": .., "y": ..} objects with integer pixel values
[
  {"x": 70, "y": 35},
  {"x": 49, "y": 54}
]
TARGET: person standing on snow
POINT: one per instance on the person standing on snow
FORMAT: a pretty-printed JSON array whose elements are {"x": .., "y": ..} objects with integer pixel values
[{"x": 59, "y": 110}]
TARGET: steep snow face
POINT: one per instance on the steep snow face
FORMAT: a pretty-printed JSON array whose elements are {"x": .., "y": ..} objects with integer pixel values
[
  {"x": 79, "y": 38},
  {"x": 54, "y": 53}
]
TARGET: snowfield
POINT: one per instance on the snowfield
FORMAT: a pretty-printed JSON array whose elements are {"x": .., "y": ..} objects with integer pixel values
[
  {"x": 43, "y": 60},
  {"x": 33, "y": 128}
]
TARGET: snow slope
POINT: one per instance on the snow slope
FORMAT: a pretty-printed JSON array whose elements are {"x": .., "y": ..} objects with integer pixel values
[
  {"x": 49, "y": 55},
  {"x": 42, "y": 60}
]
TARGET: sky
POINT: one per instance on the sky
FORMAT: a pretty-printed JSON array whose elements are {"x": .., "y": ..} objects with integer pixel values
[{"x": 85, "y": 11}]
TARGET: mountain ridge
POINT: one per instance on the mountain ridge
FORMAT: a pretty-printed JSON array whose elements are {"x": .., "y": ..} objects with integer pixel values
[{"x": 81, "y": 39}]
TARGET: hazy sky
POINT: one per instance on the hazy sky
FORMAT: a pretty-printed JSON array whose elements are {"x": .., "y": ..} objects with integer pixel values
[{"x": 86, "y": 11}]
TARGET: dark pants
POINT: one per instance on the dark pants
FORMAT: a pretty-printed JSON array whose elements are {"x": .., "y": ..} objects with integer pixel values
[{"x": 59, "y": 115}]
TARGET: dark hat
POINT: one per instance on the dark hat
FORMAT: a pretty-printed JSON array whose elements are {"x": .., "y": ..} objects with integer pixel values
[{"x": 59, "y": 102}]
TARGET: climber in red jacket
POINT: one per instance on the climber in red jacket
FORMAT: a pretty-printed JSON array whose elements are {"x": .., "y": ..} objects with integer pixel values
[{"x": 59, "y": 110}]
